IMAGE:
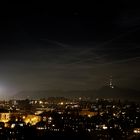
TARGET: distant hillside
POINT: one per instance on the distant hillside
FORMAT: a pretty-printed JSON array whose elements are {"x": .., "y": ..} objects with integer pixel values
[
  {"x": 53, "y": 93},
  {"x": 118, "y": 93},
  {"x": 104, "y": 92}
]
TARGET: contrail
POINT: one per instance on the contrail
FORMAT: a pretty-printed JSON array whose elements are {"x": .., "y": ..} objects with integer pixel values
[
  {"x": 120, "y": 61},
  {"x": 118, "y": 37},
  {"x": 127, "y": 60},
  {"x": 94, "y": 55},
  {"x": 80, "y": 53},
  {"x": 56, "y": 42}
]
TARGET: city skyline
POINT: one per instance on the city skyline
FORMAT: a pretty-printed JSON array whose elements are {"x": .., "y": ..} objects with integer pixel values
[{"x": 70, "y": 70}]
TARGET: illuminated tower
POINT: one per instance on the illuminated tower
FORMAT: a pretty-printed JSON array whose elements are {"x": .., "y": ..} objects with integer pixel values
[{"x": 111, "y": 83}]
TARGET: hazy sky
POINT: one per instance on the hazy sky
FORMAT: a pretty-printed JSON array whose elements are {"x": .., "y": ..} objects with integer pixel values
[{"x": 69, "y": 48}]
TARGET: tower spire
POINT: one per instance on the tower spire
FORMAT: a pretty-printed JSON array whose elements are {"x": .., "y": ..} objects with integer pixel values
[{"x": 111, "y": 82}]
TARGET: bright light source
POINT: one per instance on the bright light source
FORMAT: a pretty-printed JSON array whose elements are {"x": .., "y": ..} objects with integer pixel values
[
  {"x": 40, "y": 102},
  {"x": 13, "y": 125},
  {"x": 89, "y": 115},
  {"x": 105, "y": 127},
  {"x": 61, "y": 103},
  {"x": 50, "y": 118}
]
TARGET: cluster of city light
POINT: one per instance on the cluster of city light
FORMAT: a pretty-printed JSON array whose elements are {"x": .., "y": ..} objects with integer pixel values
[
  {"x": 4, "y": 117},
  {"x": 32, "y": 119},
  {"x": 137, "y": 130},
  {"x": 103, "y": 126}
]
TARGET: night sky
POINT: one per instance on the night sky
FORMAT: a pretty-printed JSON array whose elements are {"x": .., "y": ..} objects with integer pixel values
[{"x": 70, "y": 47}]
